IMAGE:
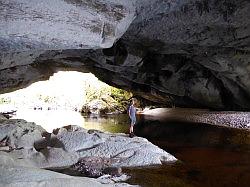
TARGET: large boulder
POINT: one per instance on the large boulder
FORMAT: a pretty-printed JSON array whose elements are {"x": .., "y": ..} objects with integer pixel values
[
  {"x": 92, "y": 153},
  {"x": 66, "y": 145},
  {"x": 128, "y": 152},
  {"x": 123, "y": 150},
  {"x": 20, "y": 134}
]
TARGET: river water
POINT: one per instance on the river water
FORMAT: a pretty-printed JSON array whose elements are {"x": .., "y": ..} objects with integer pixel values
[
  {"x": 52, "y": 119},
  {"x": 208, "y": 155}
]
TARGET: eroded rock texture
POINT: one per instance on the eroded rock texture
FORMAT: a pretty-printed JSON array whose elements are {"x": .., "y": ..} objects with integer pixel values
[
  {"x": 26, "y": 149},
  {"x": 30, "y": 145},
  {"x": 184, "y": 53}
]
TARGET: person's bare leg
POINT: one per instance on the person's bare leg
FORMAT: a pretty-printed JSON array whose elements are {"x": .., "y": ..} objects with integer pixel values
[{"x": 130, "y": 129}]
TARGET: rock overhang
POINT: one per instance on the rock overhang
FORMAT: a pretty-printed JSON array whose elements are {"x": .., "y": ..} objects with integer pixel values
[{"x": 183, "y": 53}]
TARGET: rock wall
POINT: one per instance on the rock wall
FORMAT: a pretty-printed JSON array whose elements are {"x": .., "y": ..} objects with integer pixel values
[{"x": 183, "y": 53}]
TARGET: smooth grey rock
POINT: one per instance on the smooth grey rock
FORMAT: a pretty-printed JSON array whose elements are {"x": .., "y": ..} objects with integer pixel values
[
  {"x": 127, "y": 151},
  {"x": 123, "y": 150},
  {"x": 46, "y": 158},
  {"x": 70, "y": 143},
  {"x": 58, "y": 24},
  {"x": 4, "y": 148},
  {"x": 18, "y": 172},
  {"x": 76, "y": 140},
  {"x": 15, "y": 159},
  {"x": 55, "y": 158},
  {"x": 26, "y": 176},
  {"x": 20, "y": 166}
]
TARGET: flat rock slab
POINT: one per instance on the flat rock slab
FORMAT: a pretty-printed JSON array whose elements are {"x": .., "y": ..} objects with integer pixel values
[
  {"x": 23, "y": 176},
  {"x": 123, "y": 150}
]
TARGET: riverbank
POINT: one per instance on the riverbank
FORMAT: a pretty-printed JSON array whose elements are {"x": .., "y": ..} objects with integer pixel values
[
  {"x": 27, "y": 149},
  {"x": 51, "y": 119},
  {"x": 232, "y": 119}
]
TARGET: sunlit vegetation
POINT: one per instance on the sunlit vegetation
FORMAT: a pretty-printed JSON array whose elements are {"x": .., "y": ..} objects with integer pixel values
[
  {"x": 104, "y": 98},
  {"x": 5, "y": 100},
  {"x": 69, "y": 90}
]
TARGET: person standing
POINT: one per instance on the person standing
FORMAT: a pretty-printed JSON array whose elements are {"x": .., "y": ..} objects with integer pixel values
[{"x": 132, "y": 116}]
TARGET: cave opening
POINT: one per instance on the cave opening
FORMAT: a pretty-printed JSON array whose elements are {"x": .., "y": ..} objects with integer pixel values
[
  {"x": 69, "y": 98},
  {"x": 186, "y": 63}
]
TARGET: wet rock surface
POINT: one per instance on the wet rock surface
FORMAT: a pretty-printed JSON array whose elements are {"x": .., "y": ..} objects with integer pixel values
[
  {"x": 182, "y": 53},
  {"x": 96, "y": 167}
]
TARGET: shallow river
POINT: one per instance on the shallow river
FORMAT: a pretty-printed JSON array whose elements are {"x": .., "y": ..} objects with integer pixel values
[{"x": 208, "y": 155}]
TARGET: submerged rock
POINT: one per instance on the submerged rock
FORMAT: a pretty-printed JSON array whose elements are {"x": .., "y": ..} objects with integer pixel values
[{"x": 96, "y": 167}]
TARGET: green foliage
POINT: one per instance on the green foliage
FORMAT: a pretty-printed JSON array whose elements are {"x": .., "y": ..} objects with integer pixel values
[
  {"x": 91, "y": 89},
  {"x": 96, "y": 91},
  {"x": 120, "y": 95},
  {"x": 5, "y": 100},
  {"x": 100, "y": 90},
  {"x": 114, "y": 97},
  {"x": 46, "y": 98}
]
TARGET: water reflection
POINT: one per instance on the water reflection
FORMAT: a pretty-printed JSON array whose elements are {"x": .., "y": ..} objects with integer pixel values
[
  {"x": 52, "y": 119},
  {"x": 209, "y": 155},
  {"x": 107, "y": 123}
]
